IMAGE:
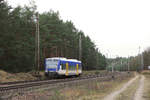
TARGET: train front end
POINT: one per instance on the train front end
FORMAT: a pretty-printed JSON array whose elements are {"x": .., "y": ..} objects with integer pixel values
[{"x": 51, "y": 67}]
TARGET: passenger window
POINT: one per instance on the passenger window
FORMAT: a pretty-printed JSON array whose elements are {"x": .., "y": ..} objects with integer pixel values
[
  {"x": 63, "y": 66},
  {"x": 72, "y": 66},
  {"x": 79, "y": 66}
]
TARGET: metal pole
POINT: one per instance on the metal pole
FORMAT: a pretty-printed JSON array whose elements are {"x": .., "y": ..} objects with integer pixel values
[
  {"x": 112, "y": 67},
  {"x": 106, "y": 61},
  {"x": 114, "y": 63},
  {"x": 139, "y": 59},
  {"x": 142, "y": 61},
  {"x": 80, "y": 47},
  {"x": 128, "y": 64},
  {"x": 121, "y": 64},
  {"x": 35, "y": 64},
  {"x": 38, "y": 44},
  {"x": 97, "y": 57}
]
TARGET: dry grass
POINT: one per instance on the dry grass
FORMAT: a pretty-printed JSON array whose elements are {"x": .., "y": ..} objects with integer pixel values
[
  {"x": 8, "y": 77},
  {"x": 147, "y": 85},
  {"x": 128, "y": 94},
  {"x": 91, "y": 90},
  {"x": 94, "y": 72},
  {"x": 146, "y": 72}
]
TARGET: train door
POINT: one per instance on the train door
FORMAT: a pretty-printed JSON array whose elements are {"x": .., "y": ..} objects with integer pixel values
[{"x": 67, "y": 67}]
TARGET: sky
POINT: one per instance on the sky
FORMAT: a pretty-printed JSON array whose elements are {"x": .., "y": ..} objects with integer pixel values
[{"x": 117, "y": 27}]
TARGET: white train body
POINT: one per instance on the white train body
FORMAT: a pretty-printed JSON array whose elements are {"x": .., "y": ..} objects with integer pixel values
[{"x": 62, "y": 67}]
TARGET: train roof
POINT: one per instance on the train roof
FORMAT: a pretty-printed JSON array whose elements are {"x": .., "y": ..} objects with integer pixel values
[{"x": 64, "y": 59}]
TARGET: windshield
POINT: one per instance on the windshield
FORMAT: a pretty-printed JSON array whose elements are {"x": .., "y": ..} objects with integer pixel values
[{"x": 51, "y": 63}]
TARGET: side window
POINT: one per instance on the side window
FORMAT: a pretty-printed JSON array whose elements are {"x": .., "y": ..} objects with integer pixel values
[
  {"x": 63, "y": 66},
  {"x": 80, "y": 66},
  {"x": 72, "y": 66}
]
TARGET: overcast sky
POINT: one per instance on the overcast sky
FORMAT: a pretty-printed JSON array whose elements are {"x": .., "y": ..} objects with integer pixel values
[{"x": 118, "y": 27}]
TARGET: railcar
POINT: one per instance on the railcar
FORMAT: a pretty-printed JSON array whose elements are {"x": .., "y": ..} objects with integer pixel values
[{"x": 56, "y": 66}]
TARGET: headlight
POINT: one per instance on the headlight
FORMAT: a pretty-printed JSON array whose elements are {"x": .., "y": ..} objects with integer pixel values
[{"x": 46, "y": 71}]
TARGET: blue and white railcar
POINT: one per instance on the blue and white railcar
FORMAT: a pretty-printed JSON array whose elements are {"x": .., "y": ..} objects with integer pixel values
[{"x": 62, "y": 67}]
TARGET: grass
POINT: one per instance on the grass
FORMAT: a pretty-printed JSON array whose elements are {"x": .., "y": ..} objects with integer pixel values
[
  {"x": 128, "y": 94},
  {"x": 10, "y": 77},
  {"x": 57, "y": 96},
  {"x": 147, "y": 85},
  {"x": 146, "y": 72},
  {"x": 89, "y": 91},
  {"x": 94, "y": 72}
]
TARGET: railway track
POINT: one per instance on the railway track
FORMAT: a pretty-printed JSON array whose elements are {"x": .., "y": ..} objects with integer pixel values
[
  {"x": 7, "y": 88},
  {"x": 14, "y": 85},
  {"x": 33, "y": 81}
]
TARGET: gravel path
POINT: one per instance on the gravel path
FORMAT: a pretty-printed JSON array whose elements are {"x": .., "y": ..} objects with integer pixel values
[
  {"x": 113, "y": 95},
  {"x": 139, "y": 91}
]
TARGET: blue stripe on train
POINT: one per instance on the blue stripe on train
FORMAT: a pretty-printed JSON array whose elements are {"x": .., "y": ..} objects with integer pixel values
[
  {"x": 70, "y": 62},
  {"x": 58, "y": 65},
  {"x": 51, "y": 69}
]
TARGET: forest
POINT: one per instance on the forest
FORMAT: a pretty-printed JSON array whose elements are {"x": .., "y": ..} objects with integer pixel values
[
  {"x": 132, "y": 63},
  {"x": 58, "y": 38},
  {"x": 136, "y": 61}
]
